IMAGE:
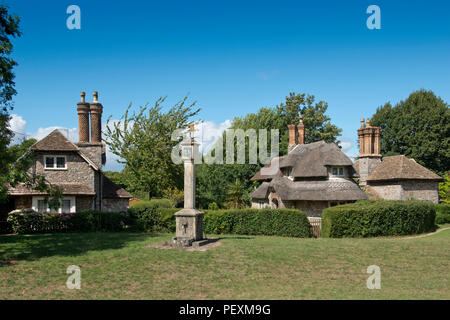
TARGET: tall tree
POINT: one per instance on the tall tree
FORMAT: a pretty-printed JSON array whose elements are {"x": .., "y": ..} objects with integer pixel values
[
  {"x": 419, "y": 128},
  {"x": 9, "y": 28},
  {"x": 143, "y": 141}
]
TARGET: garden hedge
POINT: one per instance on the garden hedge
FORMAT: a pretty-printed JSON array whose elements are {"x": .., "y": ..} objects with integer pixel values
[
  {"x": 372, "y": 218},
  {"x": 269, "y": 222},
  {"x": 442, "y": 213},
  {"x": 29, "y": 221},
  {"x": 280, "y": 222}
]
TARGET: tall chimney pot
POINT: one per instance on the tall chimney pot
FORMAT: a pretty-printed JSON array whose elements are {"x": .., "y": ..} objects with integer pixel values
[{"x": 83, "y": 119}]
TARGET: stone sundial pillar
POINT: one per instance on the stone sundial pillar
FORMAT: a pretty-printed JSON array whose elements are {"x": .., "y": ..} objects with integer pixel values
[{"x": 189, "y": 220}]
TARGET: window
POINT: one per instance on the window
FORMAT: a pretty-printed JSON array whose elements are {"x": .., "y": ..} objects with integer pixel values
[
  {"x": 42, "y": 206},
  {"x": 338, "y": 171},
  {"x": 261, "y": 204},
  {"x": 67, "y": 205},
  {"x": 55, "y": 162}
]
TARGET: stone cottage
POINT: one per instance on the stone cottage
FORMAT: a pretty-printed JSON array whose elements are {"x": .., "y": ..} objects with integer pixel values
[
  {"x": 311, "y": 177},
  {"x": 76, "y": 168},
  {"x": 394, "y": 177}
]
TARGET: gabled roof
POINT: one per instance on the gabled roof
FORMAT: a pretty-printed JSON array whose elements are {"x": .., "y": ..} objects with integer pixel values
[
  {"x": 55, "y": 141},
  {"x": 311, "y": 161},
  {"x": 112, "y": 190},
  {"x": 401, "y": 168}
]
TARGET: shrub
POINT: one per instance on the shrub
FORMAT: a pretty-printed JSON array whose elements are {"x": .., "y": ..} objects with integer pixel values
[
  {"x": 278, "y": 222},
  {"x": 372, "y": 218},
  {"x": 213, "y": 206},
  {"x": 442, "y": 213},
  {"x": 151, "y": 218},
  {"x": 28, "y": 221},
  {"x": 160, "y": 203}
]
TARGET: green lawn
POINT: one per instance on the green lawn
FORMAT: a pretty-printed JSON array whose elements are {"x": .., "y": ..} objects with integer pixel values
[{"x": 118, "y": 266}]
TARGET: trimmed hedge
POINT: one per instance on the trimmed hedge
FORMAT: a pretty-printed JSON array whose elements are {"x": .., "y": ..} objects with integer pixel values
[
  {"x": 372, "y": 218},
  {"x": 159, "y": 203},
  {"x": 278, "y": 222},
  {"x": 442, "y": 213},
  {"x": 34, "y": 222}
]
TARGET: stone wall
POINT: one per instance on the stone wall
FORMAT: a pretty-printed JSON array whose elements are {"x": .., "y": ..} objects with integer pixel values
[
  {"x": 420, "y": 190},
  {"x": 366, "y": 166},
  {"x": 84, "y": 203},
  {"x": 311, "y": 208},
  {"x": 384, "y": 190},
  {"x": 78, "y": 170},
  {"x": 404, "y": 190},
  {"x": 115, "y": 205}
]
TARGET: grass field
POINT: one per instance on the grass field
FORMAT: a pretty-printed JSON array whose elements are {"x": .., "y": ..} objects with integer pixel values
[{"x": 119, "y": 266}]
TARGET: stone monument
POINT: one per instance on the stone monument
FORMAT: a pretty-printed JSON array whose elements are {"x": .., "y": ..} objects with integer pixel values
[{"x": 189, "y": 220}]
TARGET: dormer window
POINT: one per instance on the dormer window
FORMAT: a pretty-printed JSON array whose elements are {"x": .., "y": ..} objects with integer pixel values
[
  {"x": 55, "y": 162},
  {"x": 337, "y": 171}
]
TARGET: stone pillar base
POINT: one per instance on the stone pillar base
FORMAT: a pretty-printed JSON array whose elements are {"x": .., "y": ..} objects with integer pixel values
[{"x": 189, "y": 224}]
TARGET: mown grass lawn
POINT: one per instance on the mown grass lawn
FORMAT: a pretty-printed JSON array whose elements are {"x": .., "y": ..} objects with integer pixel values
[{"x": 119, "y": 266}]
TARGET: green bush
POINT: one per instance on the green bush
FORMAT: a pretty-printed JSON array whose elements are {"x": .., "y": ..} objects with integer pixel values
[
  {"x": 372, "y": 218},
  {"x": 159, "y": 203},
  {"x": 442, "y": 213},
  {"x": 150, "y": 217},
  {"x": 278, "y": 222},
  {"x": 29, "y": 221}
]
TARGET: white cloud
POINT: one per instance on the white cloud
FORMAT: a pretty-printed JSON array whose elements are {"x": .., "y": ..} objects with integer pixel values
[
  {"x": 207, "y": 133},
  {"x": 17, "y": 125}
]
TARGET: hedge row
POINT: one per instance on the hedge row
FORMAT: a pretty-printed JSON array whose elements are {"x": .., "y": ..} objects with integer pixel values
[
  {"x": 278, "y": 222},
  {"x": 442, "y": 213},
  {"x": 92, "y": 220},
  {"x": 372, "y": 218},
  {"x": 151, "y": 218}
]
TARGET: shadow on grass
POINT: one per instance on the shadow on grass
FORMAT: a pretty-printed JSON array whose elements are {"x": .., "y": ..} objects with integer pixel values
[{"x": 36, "y": 246}]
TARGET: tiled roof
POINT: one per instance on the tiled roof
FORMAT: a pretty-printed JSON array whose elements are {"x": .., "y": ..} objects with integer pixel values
[
  {"x": 112, "y": 190},
  {"x": 66, "y": 188},
  {"x": 55, "y": 141},
  {"x": 401, "y": 168}
]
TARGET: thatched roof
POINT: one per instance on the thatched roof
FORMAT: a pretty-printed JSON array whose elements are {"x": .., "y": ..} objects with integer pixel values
[
  {"x": 261, "y": 192},
  {"x": 401, "y": 168},
  {"x": 319, "y": 190},
  {"x": 311, "y": 161}
]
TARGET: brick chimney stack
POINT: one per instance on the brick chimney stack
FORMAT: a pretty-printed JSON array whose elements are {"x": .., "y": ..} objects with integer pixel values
[
  {"x": 301, "y": 131},
  {"x": 96, "y": 109},
  {"x": 291, "y": 136},
  {"x": 83, "y": 119},
  {"x": 369, "y": 150}
]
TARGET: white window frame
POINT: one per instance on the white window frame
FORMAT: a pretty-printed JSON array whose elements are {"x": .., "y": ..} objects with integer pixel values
[
  {"x": 72, "y": 204},
  {"x": 338, "y": 169},
  {"x": 55, "y": 162}
]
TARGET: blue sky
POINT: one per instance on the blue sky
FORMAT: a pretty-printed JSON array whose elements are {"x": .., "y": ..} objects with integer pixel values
[{"x": 233, "y": 57}]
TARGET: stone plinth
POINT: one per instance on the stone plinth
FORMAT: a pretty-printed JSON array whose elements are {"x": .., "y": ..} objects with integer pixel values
[{"x": 189, "y": 227}]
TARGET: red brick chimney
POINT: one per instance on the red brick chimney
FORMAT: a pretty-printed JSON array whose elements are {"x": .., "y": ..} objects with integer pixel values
[
  {"x": 301, "y": 131},
  {"x": 96, "y": 119},
  {"x": 291, "y": 136},
  {"x": 83, "y": 119}
]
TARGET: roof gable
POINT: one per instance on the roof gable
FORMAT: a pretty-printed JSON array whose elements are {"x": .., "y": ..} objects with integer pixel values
[{"x": 55, "y": 141}]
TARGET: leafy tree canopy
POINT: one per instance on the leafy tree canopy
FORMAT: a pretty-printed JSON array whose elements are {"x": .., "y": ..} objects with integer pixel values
[
  {"x": 419, "y": 128},
  {"x": 143, "y": 141}
]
